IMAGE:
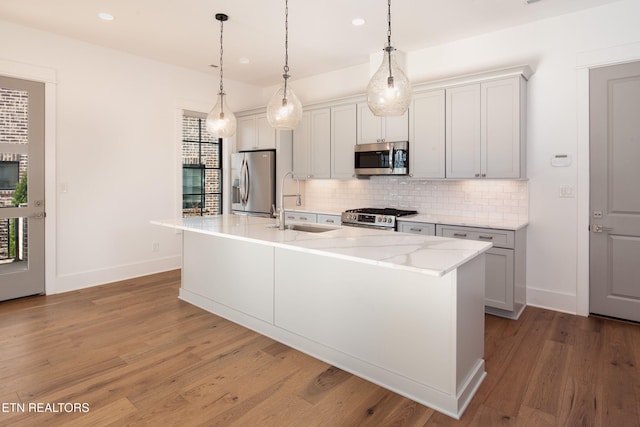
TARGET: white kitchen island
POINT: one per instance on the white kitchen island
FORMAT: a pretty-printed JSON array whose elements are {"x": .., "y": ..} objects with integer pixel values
[{"x": 401, "y": 310}]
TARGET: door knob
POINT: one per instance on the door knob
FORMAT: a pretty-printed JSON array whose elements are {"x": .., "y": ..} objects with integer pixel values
[{"x": 599, "y": 228}]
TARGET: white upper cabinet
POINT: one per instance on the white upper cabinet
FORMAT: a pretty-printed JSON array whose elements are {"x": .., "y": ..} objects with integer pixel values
[
  {"x": 321, "y": 143},
  {"x": 503, "y": 119},
  {"x": 372, "y": 129},
  {"x": 485, "y": 129},
  {"x": 343, "y": 139},
  {"x": 255, "y": 133},
  {"x": 463, "y": 132},
  {"x": 427, "y": 135},
  {"x": 312, "y": 145}
]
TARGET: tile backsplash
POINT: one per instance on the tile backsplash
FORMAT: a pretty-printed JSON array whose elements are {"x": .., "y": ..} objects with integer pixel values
[{"x": 494, "y": 199}]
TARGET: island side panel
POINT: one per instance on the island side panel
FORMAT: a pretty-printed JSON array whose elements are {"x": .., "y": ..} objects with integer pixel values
[
  {"x": 397, "y": 320},
  {"x": 470, "y": 328},
  {"x": 234, "y": 273}
]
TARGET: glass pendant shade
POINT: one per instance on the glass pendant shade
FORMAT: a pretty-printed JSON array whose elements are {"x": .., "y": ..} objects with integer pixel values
[
  {"x": 284, "y": 111},
  {"x": 389, "y": 90},
  {"x": 221, "y": 121}
]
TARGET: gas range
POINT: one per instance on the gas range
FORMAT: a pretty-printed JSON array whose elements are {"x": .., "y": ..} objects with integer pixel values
[{"x": 381, "y": 218}]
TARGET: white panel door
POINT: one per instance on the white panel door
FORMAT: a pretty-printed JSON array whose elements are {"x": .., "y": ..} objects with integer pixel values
[
  {"x": 500, "y": 137},
  {"x": 427, "y": 142},
  {"x": 246, "y": 137},
  {"x": 343, "y": 139},
  {"x": 22, "y": 215},
  {"x": 463, "y": 132},
  {"x": 321, "y": 143},
  {"x": 302, "y": 147},
  {"x": 369, "y": 126},
  {"x": 614, "y": 276}
]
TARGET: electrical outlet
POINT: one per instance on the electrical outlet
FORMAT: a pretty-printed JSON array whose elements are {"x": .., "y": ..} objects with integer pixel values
[{"x": 155, "y": 247}]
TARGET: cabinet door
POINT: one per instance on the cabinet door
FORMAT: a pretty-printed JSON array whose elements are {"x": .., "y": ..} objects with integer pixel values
[
  {"x": 246, "y": 134},
  {"x": 417, "y": 228},
  {"x": 396, "y": 128},
  {"x": 302, "y": 147},
  {"x": 266, "y": 135},
  {"x": 498, "y": 287},
  {"x": 463, "y": 132},
  {"x": 329, "y": 219},
  {"x": 369, "y": 126},
  {"x": 301, "y": 216},
  {"x": 321, "y": 143},
  {"x": 343, "y": 139},
  {"x": 427, "y": 146},
  {"x": 500, "y": 136}
]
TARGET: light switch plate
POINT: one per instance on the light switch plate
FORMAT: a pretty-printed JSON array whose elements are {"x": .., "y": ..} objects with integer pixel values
[{"x": 567, "y": 191}]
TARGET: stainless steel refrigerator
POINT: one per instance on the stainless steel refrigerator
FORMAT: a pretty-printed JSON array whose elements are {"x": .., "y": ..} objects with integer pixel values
[{"x": 253, "y": 182}]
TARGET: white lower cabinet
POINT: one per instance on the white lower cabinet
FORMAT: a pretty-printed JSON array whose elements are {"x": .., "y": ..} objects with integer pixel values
[
  {"x": 417, "y": 228},
  {"x": 329, "y": 219},
  {"x": 319, "y": 218},
  {"x": 505, "y": 271},
  {"x": 301, "y": 216}
]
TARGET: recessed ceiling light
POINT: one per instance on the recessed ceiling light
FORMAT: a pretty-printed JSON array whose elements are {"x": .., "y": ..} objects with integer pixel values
[
  {"x": 244, "y": 60},
  {"x": 357, "y": 22},
  {"x": 106, "y": 16}
]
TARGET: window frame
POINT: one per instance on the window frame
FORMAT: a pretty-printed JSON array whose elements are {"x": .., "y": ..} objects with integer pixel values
[{"x": 216, "y": 143}]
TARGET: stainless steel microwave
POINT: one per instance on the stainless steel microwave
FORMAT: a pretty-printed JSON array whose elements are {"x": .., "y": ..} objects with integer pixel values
[{"x": 383, "y": 158}]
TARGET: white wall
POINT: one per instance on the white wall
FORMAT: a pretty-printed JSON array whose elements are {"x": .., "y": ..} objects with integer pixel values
[
  {"x": 115, "y": 151},
  {"x": 555, "y": 49}
]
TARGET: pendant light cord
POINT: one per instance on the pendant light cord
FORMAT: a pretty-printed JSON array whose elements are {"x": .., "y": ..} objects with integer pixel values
[
  {"x": 221, "y": 50},
  {"x": 389, "y": 49},
  {"x": 286, "y": 48}
]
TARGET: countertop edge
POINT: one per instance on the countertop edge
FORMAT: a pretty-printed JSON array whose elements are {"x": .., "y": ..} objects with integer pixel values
[{"x": 322, "y": 252}]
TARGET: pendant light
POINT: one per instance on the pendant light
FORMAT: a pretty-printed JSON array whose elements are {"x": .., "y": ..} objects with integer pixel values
[
  {"x": 284, "y": 110},
  {"x": 389, "y": 90},
  {"x": 221, "y": 121}
]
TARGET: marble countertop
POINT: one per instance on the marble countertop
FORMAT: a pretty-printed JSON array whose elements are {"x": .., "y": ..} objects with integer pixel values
[
  {"x": 499, "y": 224},
  {"x": 430, "y": 255}
]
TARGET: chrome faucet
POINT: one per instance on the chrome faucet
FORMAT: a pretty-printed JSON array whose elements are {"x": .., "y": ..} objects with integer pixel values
[{"x": 282, "y": 196}]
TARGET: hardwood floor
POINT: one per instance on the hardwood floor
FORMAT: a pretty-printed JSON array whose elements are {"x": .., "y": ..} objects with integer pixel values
[{"x": 134, "y": 354}]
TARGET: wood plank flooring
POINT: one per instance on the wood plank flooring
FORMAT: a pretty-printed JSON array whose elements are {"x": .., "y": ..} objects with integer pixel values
[{"x": 136, "y": 355}]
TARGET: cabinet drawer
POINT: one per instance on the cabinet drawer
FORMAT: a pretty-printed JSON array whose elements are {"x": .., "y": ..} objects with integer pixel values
[
  {"x": 329, "y": 219},
  {"x": 301, "y": 217},
  {"x": 417, "y": 228},
  {"x": 499, "y": 238}
]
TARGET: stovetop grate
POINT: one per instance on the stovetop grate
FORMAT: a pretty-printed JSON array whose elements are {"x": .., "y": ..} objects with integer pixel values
[{"x": 384, "y": 211}]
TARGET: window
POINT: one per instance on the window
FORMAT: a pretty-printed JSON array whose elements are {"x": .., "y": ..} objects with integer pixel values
[
  {"x": 9, "y": 175},
  {"x": 201, "y": 167}
]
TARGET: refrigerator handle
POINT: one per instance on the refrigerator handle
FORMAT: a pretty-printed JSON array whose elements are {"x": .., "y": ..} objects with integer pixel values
[
  {"x": 242, "y": 186},
  {"x": 247, "y": 183}
]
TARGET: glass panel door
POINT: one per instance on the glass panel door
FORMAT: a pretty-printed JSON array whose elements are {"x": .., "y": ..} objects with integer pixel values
[{"x": 21, "y": 188}]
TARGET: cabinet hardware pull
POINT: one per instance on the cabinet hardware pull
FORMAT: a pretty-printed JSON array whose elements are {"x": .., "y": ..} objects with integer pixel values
[
  {"x": 484, "y": 175},
  {"x": 330, "y": 221},
  {"x": 291, "y": 217},
  {"x": 460, "y": 234},
  {"x": 477, "y": 175},
  {"x": 415, "y": 229},
  {"x": 486, "y": 237},
  {"x": 304, "y": 218}
]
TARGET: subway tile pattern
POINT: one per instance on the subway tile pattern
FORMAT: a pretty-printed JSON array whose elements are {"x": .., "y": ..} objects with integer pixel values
[{"x": 492, "y": 199}]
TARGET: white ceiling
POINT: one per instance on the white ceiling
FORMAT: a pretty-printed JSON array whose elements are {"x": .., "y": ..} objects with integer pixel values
[{"x": 321, "y": 36}]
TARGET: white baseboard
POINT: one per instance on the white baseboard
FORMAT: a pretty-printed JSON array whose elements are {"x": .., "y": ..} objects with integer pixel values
[
  {"x": 87, "y": 279},
  {"x": 551, "y": 300}
]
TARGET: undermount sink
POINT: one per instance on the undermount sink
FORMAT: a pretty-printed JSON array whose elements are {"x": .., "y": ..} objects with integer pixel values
[{"x": 307, "y": 228}]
